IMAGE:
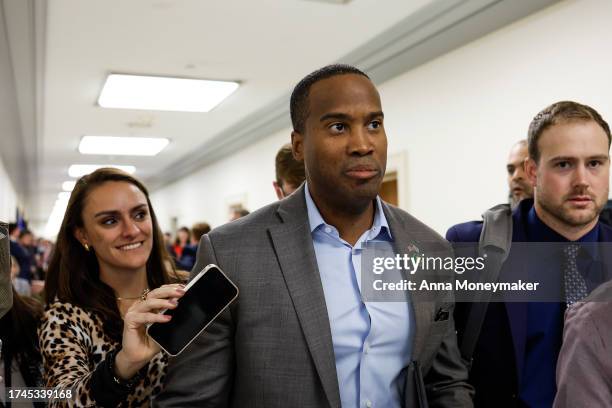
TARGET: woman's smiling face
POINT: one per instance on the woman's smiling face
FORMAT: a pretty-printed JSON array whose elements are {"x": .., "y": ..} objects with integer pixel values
[{"x": 117, "y": 226}]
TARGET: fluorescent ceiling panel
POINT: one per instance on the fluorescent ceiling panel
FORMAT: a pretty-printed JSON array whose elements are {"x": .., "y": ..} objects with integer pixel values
[
  {"x": 123, "y": 146},
  {"x": 79, "y": 170},
  {"x": 163, "y": 93}
]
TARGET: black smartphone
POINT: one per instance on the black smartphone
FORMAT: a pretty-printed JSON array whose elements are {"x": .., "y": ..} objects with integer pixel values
[{"x": 207, "y": 295}]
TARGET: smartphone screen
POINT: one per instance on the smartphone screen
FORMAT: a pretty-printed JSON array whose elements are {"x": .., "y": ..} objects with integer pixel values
[{"x": 207, "y": 295}]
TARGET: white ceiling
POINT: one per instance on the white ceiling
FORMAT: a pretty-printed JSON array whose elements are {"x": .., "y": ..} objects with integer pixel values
[
  {"x": 59, "y": 66},
  {"x": 266, "y": 45}
]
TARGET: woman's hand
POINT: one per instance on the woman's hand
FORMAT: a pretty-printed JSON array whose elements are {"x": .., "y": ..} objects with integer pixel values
[{"x": 137, "y": 347}]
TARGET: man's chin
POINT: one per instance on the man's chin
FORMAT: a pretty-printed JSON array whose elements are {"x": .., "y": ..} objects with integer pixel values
[
  {"x": 366, "y": 191},
  {"x": 516, "y": 199},
  {"x": 579, "y": 218},
  {"x": 372, "y": 183},
  {"x": 358, "y": 199}
]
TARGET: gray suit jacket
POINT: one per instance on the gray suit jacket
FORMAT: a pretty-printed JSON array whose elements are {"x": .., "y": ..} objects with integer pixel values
[
  {"x": 273, "y": 346},
  {"x": 6, "y": 292},
  {"x": 584, "y": 368}
]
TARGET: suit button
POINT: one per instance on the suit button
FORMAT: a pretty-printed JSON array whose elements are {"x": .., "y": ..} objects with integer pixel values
[{"x": 369, "y": 404}]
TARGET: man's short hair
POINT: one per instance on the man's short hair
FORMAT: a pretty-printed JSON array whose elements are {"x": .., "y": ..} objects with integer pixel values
[
  {"x": 12, "y": 227},
  {"x": 199, "y": 229},
  {"x": 243, "y": 212},
  {"x": 288, "y": 170},
  {"x": 24, "y": 232},
  {"x": 561, "y": 112},
  {"x": 299, "y": 97}
]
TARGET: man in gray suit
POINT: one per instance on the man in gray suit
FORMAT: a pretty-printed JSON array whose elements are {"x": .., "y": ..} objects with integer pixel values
[
  {"x": 6, "y": 293},
  {"x": 300, "y": 334}
]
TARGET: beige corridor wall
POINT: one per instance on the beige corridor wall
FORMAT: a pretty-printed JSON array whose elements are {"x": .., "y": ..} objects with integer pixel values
[
  {"x": 205, "y": 195},
  {"x": 8, "y": 197},
  {"x": 458, "y": 116},
  {"x": 454, "y": 118}
]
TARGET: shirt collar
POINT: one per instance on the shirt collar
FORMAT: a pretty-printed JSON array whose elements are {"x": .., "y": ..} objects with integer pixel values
[{"x": 379, "y": 226}]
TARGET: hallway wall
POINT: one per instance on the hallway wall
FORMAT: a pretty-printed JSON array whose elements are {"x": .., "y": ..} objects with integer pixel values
[
  {"x": 8, "y": 197},
  {"x": 454, "y": 118}
]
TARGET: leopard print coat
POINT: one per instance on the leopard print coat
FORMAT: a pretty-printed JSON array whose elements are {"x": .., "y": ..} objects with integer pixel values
[{"x": 73, "y": 343}]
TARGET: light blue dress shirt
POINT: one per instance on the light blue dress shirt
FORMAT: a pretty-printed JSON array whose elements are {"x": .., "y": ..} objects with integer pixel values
[{"x": 372, "y": 341}]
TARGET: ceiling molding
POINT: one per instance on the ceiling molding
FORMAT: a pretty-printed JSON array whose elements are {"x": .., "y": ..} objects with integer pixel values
[
  {"x": 434, "y": 30},
  {"x": 12, "y": 150},
  {"x": 22, "y": 51},
  {"x": 40, "y": 25}
]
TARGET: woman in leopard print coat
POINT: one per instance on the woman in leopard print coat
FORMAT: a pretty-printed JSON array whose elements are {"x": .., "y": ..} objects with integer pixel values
[{"x": 109, "y": 276}]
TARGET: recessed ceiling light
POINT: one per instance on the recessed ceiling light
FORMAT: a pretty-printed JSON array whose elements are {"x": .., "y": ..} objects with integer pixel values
[
  {"x": 124, "y": 146},
  {"x": 79, "y": 170},
  {"x": 68, "y": 185},
  {"x": 163, "y": 93}
]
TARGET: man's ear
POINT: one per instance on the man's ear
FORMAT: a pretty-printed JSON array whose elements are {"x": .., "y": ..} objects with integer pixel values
[
  {"x": 297, "y": 144},
  {"x": 531, "y": 170},
  {"x": 278, "y": 190}
]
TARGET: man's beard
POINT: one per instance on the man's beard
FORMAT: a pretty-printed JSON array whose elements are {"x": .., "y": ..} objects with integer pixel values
[
  {"x": 567, "y": 217},
  {"x": 514, "y": 201}
]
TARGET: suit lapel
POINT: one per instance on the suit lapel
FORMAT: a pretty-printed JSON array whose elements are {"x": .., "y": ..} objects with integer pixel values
[
  {"x": 516, "y": 311},
  {"x": 293, "y": 246},
  {"x": 422, "y": 310},
  {"x": 603, "y": 258}
]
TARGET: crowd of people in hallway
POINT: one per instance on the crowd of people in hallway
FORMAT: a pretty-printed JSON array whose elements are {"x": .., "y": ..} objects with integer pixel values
[
  {"x": 183, "y": 249},
  {"x": 74, "y": 313},
  {"x": 29, "y": 259}
]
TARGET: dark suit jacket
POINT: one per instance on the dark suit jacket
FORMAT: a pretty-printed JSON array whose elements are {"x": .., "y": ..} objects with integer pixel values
[
  {"x": 273, "y": 347},
  {"x": 500, "y": 351},
  {"x": 188, "y": 257},
  {"x": 23, "y": 258}
]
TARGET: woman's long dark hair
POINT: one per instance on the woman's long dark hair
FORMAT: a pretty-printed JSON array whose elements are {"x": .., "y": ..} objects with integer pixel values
[
  {"x": 20, "y": 339},
  {"x": 74, "y": 273}
]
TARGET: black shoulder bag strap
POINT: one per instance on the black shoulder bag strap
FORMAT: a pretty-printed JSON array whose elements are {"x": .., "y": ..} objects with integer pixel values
[{"x": 494, "y": 246}]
